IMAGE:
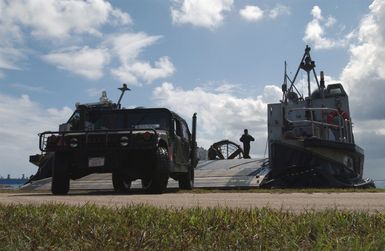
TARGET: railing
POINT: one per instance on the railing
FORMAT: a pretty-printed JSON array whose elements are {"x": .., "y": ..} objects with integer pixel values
[{"x": 321, "y": 129}]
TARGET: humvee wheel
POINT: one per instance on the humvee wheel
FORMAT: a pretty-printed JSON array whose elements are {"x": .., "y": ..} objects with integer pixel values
[
  {"x": 121, "y": 183},
  {"x": 157, "y": 181},
  {"x": 186, "y": 180},
  {"x": 60, "y": 175}
]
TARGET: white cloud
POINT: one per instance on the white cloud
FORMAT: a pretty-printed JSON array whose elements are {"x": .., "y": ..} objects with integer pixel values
[
  {"x": 127, "y": 47},
  {"x": 9, "y": 58},
  {"x": 84, "y": 61},
  {"x": 365, "y": 73},
  {"x": 29, "y": 88},
  {"x": 21, "y": 120},
  {"x": 317, "y": 13},
  {"x": 316, "y": 35},
  {"x": 279, "y": 10},
  {"x": 203, "y": 13},
  {"x": 226, "y": 88},
  {"x": 59, "y": 19},
  {"x": 220, "y": 115},
  {"x": 62, "y": 22},
  {"x": 330, "y": 22},
  {"x": 137, "y": 72},
  {"x": 253, "y": 13},
  {"x": 54, "y": 21},
  {"x": 364, "y": 77}
]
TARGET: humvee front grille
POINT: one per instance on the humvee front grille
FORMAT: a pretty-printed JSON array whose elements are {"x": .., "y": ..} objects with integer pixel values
[{"x": 52, "y": 141}]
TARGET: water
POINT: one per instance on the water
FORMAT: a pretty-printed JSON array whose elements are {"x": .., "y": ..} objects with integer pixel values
[
  {"x": 380, "y": 183},
  {"x": 11, "y": 183}
]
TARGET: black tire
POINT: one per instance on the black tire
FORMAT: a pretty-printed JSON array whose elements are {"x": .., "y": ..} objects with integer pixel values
[
  {"x": 121, "y": 183},
  {"x": 60, "y": 175},
  {"x": 156, "y": 183},
  {"x": 186, "y": 180}
]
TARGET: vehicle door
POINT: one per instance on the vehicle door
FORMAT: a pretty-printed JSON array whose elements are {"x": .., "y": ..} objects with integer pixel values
[{"x": 182, "y": 143}]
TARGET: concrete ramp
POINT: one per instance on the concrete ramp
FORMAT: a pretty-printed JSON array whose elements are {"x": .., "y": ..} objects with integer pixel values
[{"x": 208, "y": 174}]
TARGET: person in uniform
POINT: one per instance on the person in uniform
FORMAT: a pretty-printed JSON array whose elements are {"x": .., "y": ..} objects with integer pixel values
[{"x": 246, "y": 139}]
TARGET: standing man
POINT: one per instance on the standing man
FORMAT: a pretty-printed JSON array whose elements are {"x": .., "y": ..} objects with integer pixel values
[{"x": 245, "y": 139}]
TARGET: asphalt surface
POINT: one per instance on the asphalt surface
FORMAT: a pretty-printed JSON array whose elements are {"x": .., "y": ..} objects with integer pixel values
[{"x": 293, "y": 202}]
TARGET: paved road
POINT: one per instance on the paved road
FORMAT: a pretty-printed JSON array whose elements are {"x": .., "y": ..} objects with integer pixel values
[{"x": 295, "y": 202}]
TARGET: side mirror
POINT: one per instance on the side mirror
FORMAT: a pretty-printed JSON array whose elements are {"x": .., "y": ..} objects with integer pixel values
[{"x": 64, "y": 127}]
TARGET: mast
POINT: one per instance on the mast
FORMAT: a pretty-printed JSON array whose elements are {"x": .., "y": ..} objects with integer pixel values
[{"x": 308, "y": 65}]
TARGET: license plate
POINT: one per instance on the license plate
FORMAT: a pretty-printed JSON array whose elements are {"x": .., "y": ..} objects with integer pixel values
[{"x": 94, "y": 162}]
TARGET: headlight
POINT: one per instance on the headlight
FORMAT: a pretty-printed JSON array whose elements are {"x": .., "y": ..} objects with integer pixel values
[
  {"x": 124, "y": 141},
  {"x": 74, "y": 142}
]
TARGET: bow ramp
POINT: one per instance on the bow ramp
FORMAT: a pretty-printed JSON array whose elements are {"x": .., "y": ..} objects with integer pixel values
[
  {"x": 235, "y": 173},
  {"x": 230, "y": 173}
]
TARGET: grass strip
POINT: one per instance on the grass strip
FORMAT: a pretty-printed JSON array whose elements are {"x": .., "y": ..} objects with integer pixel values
[{"x": 89, "y": 227}]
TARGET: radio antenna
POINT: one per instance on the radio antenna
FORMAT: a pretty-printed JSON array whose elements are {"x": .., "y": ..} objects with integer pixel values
[{"x": 123, "y": 89}]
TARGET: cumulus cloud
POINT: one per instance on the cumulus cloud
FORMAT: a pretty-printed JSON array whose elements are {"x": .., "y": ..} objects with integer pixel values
[
  {"x": 279, "y": 10},
  {"x": 24, "y": 120},
  {"x": 84, "y": 61},
  {"x": 29, "y": 88},
  {"x": 220, "y": 115},
  {"x": 9, "y": 57},
  {"x": 315, "y": 31},
  {"x": 364, "y": 76},
  {"x": 202, "y": 13},
  {"x": 127, "y": 47},
  {"x": 59, "y": 19},
  {"x": 137, "y": 72},
  {"x": 64, "y": 21},
  {"x": 253, "y": 13},
  {"x": 52, "y": 20}
]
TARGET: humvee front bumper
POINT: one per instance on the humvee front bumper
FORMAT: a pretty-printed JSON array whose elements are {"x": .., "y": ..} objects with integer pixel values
[
  {"x": 97, "y": 140},
  {"x": 128, "y": 151}
]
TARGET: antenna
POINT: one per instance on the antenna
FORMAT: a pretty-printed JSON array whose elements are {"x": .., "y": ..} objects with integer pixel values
[
  {"x": 123, "y": 89},
  {"x": 284, "y": 85}
]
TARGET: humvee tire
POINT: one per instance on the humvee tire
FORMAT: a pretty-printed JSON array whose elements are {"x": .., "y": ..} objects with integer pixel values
[
  {"x": 60, "y": 175},
  {"x": 186, "y": 180},
  {"x": 156, "y": 183},
  {"x": 120, "y": 182}
]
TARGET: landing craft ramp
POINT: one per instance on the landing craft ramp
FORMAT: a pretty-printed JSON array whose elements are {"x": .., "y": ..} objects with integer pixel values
[{"x": 232, "y": 173}]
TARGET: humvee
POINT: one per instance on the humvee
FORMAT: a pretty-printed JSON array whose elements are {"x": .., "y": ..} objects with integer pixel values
[{"x": 150, "y": 144}]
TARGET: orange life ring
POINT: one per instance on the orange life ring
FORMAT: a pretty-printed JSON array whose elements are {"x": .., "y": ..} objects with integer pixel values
[{"x": 331, "y": 116}]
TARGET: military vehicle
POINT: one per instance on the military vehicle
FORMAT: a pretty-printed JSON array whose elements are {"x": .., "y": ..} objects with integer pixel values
[{"x": 150, "y": 144}]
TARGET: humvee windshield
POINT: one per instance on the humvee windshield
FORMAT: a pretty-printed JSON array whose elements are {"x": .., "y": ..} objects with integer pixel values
[{"x": 120, "y": 119}]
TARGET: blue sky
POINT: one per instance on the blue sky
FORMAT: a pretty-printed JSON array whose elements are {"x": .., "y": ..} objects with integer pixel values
[{"x": 220, "y": 58}]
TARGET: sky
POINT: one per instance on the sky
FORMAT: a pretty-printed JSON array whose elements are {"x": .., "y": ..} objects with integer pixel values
[{"x": 223, "y": 59}]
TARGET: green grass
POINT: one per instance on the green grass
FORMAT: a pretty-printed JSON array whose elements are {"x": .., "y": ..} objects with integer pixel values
[{"x": 52, "y": 227}]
